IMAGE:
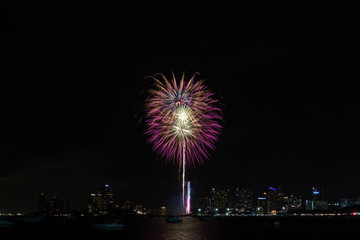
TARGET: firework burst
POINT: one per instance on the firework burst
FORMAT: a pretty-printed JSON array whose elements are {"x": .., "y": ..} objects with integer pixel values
[
  {"x": 182, "y": 113},
  {"x": 183, "y": 120}
]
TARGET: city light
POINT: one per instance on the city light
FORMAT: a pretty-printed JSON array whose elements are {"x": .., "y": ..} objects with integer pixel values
[{"x": 223, "y": 202}]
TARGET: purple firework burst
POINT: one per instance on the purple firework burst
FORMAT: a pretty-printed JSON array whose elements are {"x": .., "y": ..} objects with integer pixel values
[{"x": 183, "y": 119}]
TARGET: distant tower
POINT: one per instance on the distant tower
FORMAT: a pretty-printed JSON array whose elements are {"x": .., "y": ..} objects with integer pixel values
[
  {"x": 91, "y": 203},
  {"x": 55, "y": 206},
  {"x": 272, "y": 200},
  {"x": 42, "y": 205},
  {"x": 103, "y": 200},
  {"x": 261, "y": 205},
  {"x": 317, "y": 194},
  {"x": 68, "y": 206},
  {"x": 318, "y": 201},
  {"x": 108, "y": 197}
]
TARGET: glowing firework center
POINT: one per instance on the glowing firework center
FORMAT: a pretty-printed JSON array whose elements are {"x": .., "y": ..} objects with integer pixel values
[{"x": 183, "y": 122}]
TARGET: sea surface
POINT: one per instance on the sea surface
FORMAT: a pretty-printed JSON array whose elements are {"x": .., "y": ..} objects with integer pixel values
[{"x": 157, "y": 228}]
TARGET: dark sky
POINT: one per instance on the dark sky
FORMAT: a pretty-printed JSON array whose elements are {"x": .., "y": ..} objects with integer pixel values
[{"x": 71, "y": 78}]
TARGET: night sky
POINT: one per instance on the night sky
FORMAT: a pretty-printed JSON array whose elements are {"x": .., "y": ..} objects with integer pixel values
[{"x": 72, "y": 79}]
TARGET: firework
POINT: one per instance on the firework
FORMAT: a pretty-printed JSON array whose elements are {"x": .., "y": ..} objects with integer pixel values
[
  {"x": 183, "y": 120},
  {"x": 188, "y": 197}
]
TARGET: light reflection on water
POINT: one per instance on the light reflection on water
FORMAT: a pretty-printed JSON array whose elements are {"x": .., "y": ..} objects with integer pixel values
[
  {"x": 189, "y": 228},
  {"x": 248, "y": 228},
  {"x": 157, "y": 228}
]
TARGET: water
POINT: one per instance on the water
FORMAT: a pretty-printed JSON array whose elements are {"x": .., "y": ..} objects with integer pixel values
[{"x": 193, "y": 228}]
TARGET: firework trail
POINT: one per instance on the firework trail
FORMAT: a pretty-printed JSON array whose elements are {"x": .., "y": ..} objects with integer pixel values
[{"x": 183, "y": 121}]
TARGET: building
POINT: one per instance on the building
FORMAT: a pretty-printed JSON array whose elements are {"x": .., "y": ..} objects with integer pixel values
[
  {"x": 108, "y": 196},
  {"x": 318, "y": 198},
  {"x": 219, "y": 200},
  {"x": 162, "y": 211},
  {"x": 321, "y": 205},
  {"x": 54, "y": 206},
  {"x": 91, "y": 203},
  {"x": 347, "y": 202},
  {"x": 273, "y": 200},
  {"x": 204, "y": 203},
  {"x": 42, "y": 205},
  {"x": 318, "y": 202},
  {"x": 261, "y": 207},
  {"x": 284, "y": 204},
  {"x": 139, "y": 209},
  {"x": 127, "y": 205},
  {"x": 243, "y": 200},
  {"x": 317, "y": 194},
  {"x": 103, "y": 201},
  {"x": 295, "y": 201},
  {"x": 68, "y": 206}
]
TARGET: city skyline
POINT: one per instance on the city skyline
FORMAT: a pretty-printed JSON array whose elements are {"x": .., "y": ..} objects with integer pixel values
[
  {"x": 53, "y": 204},
  {"x": 73, "y": 81}
]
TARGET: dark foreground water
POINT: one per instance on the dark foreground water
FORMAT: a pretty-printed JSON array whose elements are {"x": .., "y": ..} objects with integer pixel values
[{"x": 193, "y": 228}]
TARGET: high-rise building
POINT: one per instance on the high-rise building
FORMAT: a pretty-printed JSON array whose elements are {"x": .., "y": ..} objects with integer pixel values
[
  {"x": 55, "y": 206},
  {"x": 91, "y": 203},
  {"x": 284, "y": 203},
  {"x": 318, "y": 201},
  {"x": 261, "y": 207},
  {"x": 68, "y": 206},
  {"x": 42, "y": 205},
  {"x": 273, "y": 204},
  {"x": 108, "y": 201},
  {"x": 219, "y": 200},
  {"x": 317, "y": 194},
  {"x": 295, "y": 202},
  {"x": 243, "y": 200},
  {"x": 102, "y": 201},
  {"x": 276, "y": 200}
]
